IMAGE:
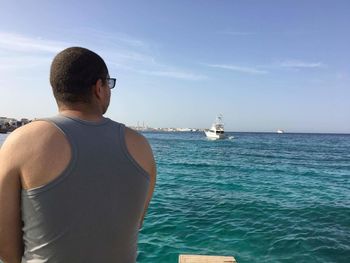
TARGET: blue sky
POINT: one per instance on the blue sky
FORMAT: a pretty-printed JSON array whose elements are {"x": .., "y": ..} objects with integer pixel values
[{"x": 263, "y": 64}]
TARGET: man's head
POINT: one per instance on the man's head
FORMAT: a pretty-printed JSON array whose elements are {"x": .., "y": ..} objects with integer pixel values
[{"x": 76, "y": 75}]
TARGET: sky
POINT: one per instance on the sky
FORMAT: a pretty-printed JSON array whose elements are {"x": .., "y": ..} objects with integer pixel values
[{"x": 264, "y": 65}]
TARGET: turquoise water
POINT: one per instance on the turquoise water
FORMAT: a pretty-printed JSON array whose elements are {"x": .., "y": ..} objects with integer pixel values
[{"x": 259, "y": 197}]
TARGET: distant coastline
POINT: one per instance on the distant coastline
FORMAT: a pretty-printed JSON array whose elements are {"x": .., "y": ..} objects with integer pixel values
[
  {"x": 145, "y": 129},
  {"x": 8, "y": 124}
]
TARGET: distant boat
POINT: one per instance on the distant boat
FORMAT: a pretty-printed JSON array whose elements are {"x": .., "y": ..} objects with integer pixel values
[
  {"x": 280, "y": 131},
  {"x": 217, "y": 129}
]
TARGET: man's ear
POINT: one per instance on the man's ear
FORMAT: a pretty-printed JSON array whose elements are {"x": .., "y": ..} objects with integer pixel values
[{"x": 97, "y": 89}]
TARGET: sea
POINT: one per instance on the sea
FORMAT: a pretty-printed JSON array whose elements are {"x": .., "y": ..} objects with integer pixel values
[{"x": 260, "y": 197}]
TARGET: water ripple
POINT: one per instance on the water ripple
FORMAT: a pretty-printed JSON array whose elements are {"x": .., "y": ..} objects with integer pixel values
[{"x": 259, "y": 197}]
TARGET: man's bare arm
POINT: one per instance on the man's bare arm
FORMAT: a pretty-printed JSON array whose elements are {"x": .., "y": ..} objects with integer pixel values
[
  {"x": 153, "y": 174},
  {"x": 11, "y": 247},
  {"x": 140, "y": 149}
]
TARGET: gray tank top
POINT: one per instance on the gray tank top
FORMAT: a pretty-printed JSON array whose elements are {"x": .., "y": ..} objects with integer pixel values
[{"x": 90, "y": 212}]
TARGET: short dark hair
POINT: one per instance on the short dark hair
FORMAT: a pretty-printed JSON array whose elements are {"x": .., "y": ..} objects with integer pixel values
[{"x": 73, "y": 72}]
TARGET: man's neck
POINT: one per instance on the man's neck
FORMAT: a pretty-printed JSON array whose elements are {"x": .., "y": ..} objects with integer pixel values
[{"x": 87, "y": 116}]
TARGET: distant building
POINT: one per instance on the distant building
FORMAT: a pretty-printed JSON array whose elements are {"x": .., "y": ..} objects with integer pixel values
[
  {"x": 10, "y": 124},
  {"x": 24, "y": 121},
  {"x": 3, "y": 120},
  {"x": 4, "y": 125}
]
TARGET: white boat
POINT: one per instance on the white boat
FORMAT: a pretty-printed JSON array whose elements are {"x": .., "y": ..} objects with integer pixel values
[
  {"x": 217, "y": 129},
  {"x": 280, "y": 131}
]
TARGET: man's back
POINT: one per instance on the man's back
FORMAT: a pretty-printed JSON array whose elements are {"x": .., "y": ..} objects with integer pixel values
[
  {"x": 80, "y": 183},
  {"x": 84, "y": 193}
]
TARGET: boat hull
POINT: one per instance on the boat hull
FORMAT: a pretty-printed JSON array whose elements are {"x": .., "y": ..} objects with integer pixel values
[{"x": 214, "y": 136}]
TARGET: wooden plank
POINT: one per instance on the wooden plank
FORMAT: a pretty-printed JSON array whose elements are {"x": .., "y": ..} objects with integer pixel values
[{"x": 205, "y": 259}]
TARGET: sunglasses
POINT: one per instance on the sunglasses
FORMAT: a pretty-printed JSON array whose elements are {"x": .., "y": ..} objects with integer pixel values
[{"x": 111, "y": 82}]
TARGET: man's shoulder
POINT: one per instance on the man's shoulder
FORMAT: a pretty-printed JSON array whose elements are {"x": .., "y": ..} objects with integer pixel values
[
  {"x": 135, "y": 135},
  {"x": 136, "y": 140},
  {"x": 33, "y": 130},
  {"x": 26, "y": 139},
  {"x": 21, "y": 145},
  {"x": 140, "y": 149},
  {"x": 34, "y": 126}
]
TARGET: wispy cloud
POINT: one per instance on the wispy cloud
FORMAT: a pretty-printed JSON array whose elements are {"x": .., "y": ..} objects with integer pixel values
[
  {"x": 115, "y": 39},
  {"x": 238, "y": 33},
  {"x": 22, "y": 52},
  {"x": 248, "y": 70},
  {"x": 342, "y": 76},
  {"x": 148, "y": 65},
  {"x": 175, "y": 74},
  {"x": 22, "y": 62},
  {"x": 127, "y": 60},
  {"x": 272, "y": 33},
  {"x": 122, "y": 52},
  {"x": 300, "y": 64},
  {"x": 132, "y": 41},
  {"x": 129, "y": 53},
  {"x": 19, "y": 43}
]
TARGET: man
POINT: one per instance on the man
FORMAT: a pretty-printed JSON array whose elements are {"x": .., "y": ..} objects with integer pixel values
[{"x": 75, "y": 187}]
